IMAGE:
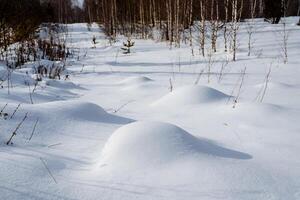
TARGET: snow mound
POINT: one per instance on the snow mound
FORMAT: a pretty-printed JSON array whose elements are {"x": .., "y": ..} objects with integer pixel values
[
  {"x": 136, "y": 80},
  {"x": 146, "y": 142},
  {"x": 194, "y": 94},
  {"x": 151, "y": 143},
  {"x": 61, "y": 84},
  {"x": 138, "y": 88},
  {"x": 79, "y": 110}
]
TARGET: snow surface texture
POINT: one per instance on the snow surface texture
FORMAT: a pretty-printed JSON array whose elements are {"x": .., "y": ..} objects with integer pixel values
[{"x": 114, "y": 130}]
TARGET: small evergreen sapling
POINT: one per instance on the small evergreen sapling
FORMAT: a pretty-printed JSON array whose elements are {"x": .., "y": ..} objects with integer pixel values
[{"x": 127, "y": 46}]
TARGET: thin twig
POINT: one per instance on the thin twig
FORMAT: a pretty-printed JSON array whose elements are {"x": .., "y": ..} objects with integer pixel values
[
  {"x": 266, "y": 85},
  {"x": 198, "y": 77},
  {"x": 122, "y": 106},
  {"x": 82, "y": 68},
  {"x": 224, "y": 64},
  {"x": 17, "y": 128},
  {"x": 171, "y": 85},
  {"x": 33, "y": 130},
  {"x": 232, "y": 92},
  {"x": 15, "y": 111},
  {"x": 30, "y": 94},
  {"x": 239, "y": 90},
  {"x": 52, "y": 145},
  {"x": 48, "y": 170},
  {"x": 3, "y": 108}
]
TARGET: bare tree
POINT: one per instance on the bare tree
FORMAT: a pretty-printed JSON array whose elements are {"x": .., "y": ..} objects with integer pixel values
[
  {"x": 202, "y": 26},
  {"x": 285, "y": 34},
  {"x": 191, "y": 27},
  {"x": 235, "y": 24},
  {"x": 215, "y": 24},
  {"x": 225, "y": 30},
  {"x": 251, "y": 24}
]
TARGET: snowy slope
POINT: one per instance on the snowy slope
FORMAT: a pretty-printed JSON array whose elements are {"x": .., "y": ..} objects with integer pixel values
[{"x": 115, "y": 131}]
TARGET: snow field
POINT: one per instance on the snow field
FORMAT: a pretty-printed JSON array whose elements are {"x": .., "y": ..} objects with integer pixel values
[{"x": 115, "y": 131}]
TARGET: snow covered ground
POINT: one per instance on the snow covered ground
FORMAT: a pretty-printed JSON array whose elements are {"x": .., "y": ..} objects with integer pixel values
[{"x": 115, "y": 131}]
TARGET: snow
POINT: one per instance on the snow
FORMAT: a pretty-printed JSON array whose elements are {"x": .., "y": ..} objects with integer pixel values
[
  {"x": 146, "y": 144},
  {"x": 114, "y": 130},
  {"x": 61, "y": 84},
  {"x": 136, "y": 80},
  {"x": 191, "y": 95},
  {"x": 78, "y": 110}
]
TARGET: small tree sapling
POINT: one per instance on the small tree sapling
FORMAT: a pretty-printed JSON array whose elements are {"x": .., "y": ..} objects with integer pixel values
[{"x": 127, "y": 46}]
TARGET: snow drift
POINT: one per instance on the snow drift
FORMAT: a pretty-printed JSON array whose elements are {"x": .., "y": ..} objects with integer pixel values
[
  {"x": 79, "y": 110},
  {"x": 62, "y": 84},
  {"x": 135, "y": 80},
  {"x": 194, "y": 94},
  {"x": 135, "y": 83},
  {"x": 144, "y": 144}
]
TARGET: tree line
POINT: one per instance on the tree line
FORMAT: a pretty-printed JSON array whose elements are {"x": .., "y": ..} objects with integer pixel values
[
  {"x": 19, "y": 19},
  {"x": 132, "y": 16},
  {"x": 21, "y": 22}
]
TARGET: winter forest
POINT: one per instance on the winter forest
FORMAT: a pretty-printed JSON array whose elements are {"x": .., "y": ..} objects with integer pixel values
[{"x": 149, "y": 99}]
